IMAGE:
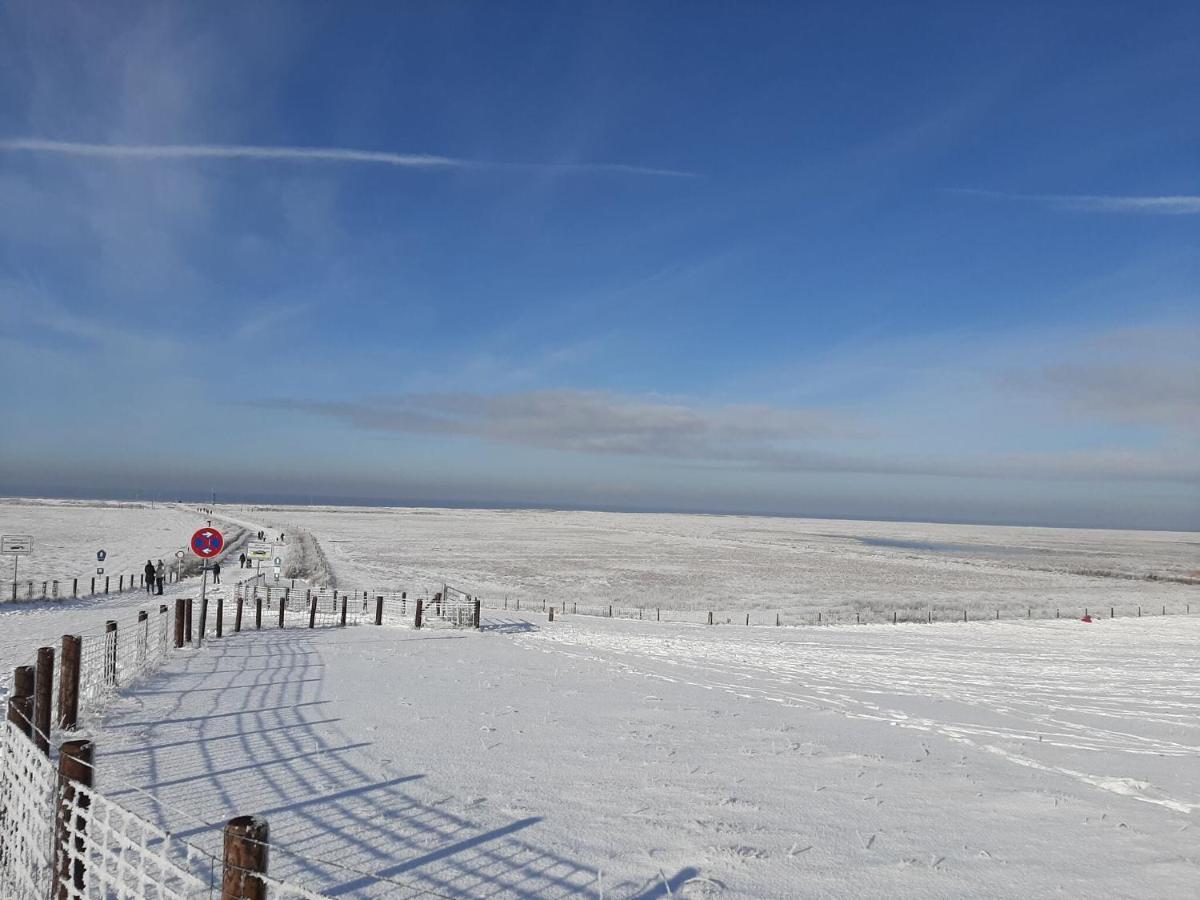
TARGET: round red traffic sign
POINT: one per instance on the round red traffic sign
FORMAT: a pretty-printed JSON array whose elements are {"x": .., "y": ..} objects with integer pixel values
[{"x": 207, "y": 543}]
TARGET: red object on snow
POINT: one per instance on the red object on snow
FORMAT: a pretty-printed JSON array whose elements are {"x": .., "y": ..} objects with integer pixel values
[{"x": 1086, "y": 619}]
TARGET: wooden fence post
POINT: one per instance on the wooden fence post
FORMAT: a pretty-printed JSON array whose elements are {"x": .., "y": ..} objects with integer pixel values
[
  {"x": 552, "y": 614},
  {"x": 343, "y": 619},
  {"x": 312, "y": 612},
  {"x": 188, "y": 618},
  {"x": 477, "y": 606},
  {"x": 110, "y": 652},
  {"x": 420, "y": 610},
  {"x": 180, "y": 604},
  {"x": 282, "y": 607},
  {"x": 68, "y": 682},
  {"x": 44, "y": 689},
  {"x": 237, "y": 616},
  {"x": 75, "y": 587},
  {"x": 120, "y": 584},
  {"x": 257, "y": 613},
  {"x": 246, "y": 851},
  {"x": 220, "y": 614},
  {"x": 20, "y": 701},
  {"x": 379, "y": 610},
  {"x": 710, "y": 617},
  {"x": 106, "y": 584},
  {"x": 74, "y": 767}
]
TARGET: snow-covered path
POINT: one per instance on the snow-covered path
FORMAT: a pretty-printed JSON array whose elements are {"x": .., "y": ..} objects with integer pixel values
[
  {"x": 25, "y": 626},
  {"x": 542, "y": 760}
]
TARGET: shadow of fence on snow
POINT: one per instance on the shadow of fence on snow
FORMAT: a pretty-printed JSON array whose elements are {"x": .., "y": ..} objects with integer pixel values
[{"x": 346, "y": 817}]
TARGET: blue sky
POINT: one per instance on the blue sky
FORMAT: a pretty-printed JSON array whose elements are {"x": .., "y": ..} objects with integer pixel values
[{"x": 821, "y": 259}]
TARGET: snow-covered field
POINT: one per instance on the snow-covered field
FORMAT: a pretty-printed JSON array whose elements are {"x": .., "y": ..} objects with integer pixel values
[
  {"x": 624, "y": 759},
  {"x": 743, "y": 563},
  {"x": 609, "y": 758},
  {"x": 67, "y": 534}
]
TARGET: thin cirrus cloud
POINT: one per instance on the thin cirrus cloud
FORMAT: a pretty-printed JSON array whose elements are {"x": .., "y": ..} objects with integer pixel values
[
  {"x": 342, "y": 155},
  {"x": 1162, "y": 205}
]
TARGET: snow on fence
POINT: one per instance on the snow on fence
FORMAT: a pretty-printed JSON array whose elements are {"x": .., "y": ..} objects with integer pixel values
[
  {"x": 64, "y": 840},
  {"x": 322, "y": 607},
  {"x": 80, "y": 587},
  {"x": 842, "y": 616}
]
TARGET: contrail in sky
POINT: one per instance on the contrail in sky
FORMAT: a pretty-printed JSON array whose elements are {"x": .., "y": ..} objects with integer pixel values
[
  {"x": 308, "y": 154},
  {"x": 1167, "y": 205}
]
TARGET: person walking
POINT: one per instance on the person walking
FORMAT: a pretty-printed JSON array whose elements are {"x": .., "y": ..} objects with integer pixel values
[
  {"x": 149, "y": 570},
  {"x": 160, "y": 575},
  {"x": 242, "y": 561},
  {"x": 216, "y": 573}
]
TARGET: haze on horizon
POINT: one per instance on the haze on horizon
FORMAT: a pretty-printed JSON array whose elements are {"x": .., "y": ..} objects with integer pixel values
[{"x": 783, "y": 259}]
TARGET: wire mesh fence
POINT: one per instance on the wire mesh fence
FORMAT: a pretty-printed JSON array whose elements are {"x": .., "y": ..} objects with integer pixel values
[{"x": 65, "y": 840}]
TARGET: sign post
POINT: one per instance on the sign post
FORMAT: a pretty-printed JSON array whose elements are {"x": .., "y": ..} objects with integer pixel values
[
  {"x": 206, "y": 543},
  {"x": 179, "y": 554},
  {"x": 258, "y": 551},
  {"x": 16, "y": 546}
]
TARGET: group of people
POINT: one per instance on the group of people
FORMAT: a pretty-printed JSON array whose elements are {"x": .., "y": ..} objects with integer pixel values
[{"x": 155, "y": 576}]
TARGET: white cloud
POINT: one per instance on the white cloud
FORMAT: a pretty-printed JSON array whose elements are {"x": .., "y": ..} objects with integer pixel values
[
  {"x": 306, "y": 155},
  {"x": 1163, "y": 205}
]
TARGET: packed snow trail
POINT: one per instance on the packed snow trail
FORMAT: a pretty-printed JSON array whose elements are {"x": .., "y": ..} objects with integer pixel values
[
  {"x": 539, "y": 760},
  {"x": 25, "y": 626}
]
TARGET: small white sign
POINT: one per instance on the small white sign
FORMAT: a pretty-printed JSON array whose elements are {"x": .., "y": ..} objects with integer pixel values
[
  {"x": 16, "y": 544},
  {"x": 99, "y": 570},
  {"x": 259, "y": 550},
  {"x": 180, "y": 554}
]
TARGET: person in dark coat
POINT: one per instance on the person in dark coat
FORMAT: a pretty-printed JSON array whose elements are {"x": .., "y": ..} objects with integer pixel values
[
  {"x": 149, "y": 570},
  {"x": 242, "y": 561},
  {"x": 216, "y": 573}
]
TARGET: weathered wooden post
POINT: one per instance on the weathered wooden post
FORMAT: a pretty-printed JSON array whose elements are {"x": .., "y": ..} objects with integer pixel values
[
  {"x": 93, "y": 591},
  {"x": 420, "y": 610},
  {"x": 180, "y": 604},
  {"x": 110, "y": 652},
  {"x": 342, "y": 622},
  {"x": 552, "y": 614},
  {"x": 188, "y": 618},
  {"x": 75, "y": 587},
  {"x": 74, "y": 768},
  {"x": 220, "y": 614},
  {"x": 257, "y": 613},
  {"x": 747, "y": 620},
  {"x": 20, "y": 701},
  {"x": 68, "y": 682},
  {"x": 282, "y": 607},
  {"x": 477, "y": 606},
  {"x": 610, "y": 610},
  {"x": 105, "y": 584},
  {"x": 120, "y": 584},
  {"x": 202, "y": 631},
  {"x": 43, "y": 690},
  {"x": 312, "y": 612},
  {"x": 710, "y": 617},
  {"x": 237, "y": 616},
  {"x": 379, "y": 610},
  {"x": 246, "y": 852}
]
